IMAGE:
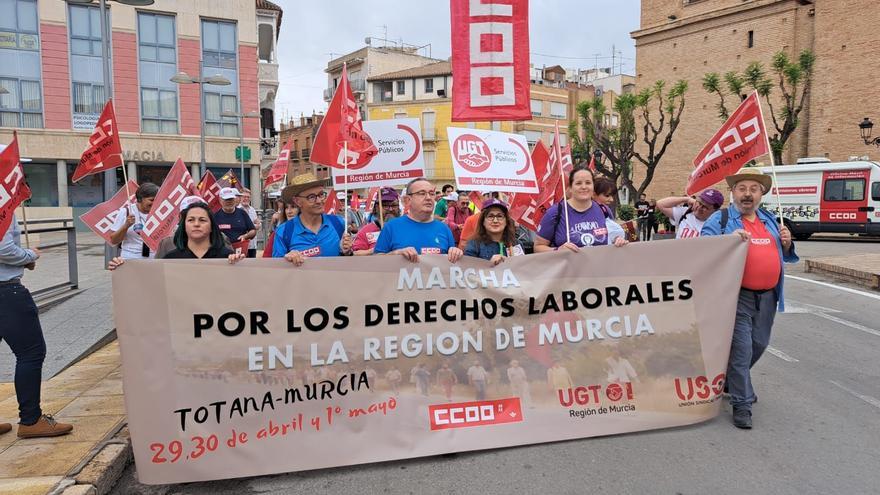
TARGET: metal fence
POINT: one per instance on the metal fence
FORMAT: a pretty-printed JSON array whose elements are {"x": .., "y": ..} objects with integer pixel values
[{"x": 66, "y": 225}]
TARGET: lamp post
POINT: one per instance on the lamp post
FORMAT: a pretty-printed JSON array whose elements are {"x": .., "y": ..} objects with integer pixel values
[
  {"x": 216, "y": 80},
  {"x": 106, "y": 40},
  {"x": 241, "y": 117},
  {"x": 865, "y": 128}
]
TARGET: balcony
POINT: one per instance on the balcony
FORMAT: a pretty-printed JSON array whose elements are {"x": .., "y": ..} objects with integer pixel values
[
  {"x": 294, "y": 155},
  {"x": 306, "y": 154},
  {"x": 357, "y": 86}
]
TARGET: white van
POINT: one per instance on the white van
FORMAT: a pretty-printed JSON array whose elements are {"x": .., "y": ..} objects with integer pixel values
[{"x": 828, "y": 197}]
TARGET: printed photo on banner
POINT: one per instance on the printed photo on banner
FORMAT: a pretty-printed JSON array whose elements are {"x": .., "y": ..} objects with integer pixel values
[
  {"x": 399, "y": 160},
  {"x": 491, "y": 160}
]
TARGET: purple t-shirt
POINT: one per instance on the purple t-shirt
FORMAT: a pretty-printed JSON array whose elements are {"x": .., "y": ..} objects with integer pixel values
[{"x": 587, "y": 228}]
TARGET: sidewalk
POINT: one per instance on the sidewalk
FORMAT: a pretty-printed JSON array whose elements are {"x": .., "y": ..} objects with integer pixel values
[
  {"x": 861, "y": 269},
  {"x": 88, "y": 395}
]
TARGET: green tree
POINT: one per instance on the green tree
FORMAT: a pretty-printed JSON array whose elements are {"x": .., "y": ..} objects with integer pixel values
[
  {"x": 659, "y": 111},
  {"x": 793, "y": 79}
]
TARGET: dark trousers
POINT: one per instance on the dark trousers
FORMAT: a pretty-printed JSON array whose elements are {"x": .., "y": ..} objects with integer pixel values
[
  {"x": 755, "y": 312},
  {"x": 20, "y": 328}
]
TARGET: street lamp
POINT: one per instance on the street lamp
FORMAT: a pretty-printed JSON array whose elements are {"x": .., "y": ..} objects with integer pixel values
[
  {"x": 216, "y": 80},
  {"x": 865, "y": 128},
  {"x": 241, "y": 117}
]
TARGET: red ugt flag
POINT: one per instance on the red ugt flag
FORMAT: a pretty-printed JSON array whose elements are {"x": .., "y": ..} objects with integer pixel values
[
  {"x": 13, "y": 189},
  {"x": 741, "y": 139},
  {"x": 105, "y": 150},
  {"x": 525, "y": 208},
  {"x": 164, "y": 213},
  {"x": 342, "y": 125},
  {"x": 209, "y": 190},
  {"x": 101, "y": 218},
  {"x": 279, "y": 168}
]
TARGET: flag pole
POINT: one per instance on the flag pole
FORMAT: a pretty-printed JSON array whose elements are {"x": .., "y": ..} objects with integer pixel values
[
  {"x": 558, "y": 151},
  {"x": 345, "y": 182},
  {"x": 27, "y": 236},
  {"x": 381, "y": 208},
  {"x": 772, "y": 161}
]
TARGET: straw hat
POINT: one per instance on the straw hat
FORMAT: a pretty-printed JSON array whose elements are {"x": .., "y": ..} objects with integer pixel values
[
  {"x": 750, "y": 174},
  {"x": 301, "y": 183}
]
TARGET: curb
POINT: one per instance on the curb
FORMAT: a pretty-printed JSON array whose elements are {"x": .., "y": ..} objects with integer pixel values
[
  {"x": 859, "y": 277},
  {"x": 99, "y": 473}
]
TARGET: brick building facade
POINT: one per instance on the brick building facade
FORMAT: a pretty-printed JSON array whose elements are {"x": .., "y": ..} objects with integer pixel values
[{"x": 685, "y": 39}]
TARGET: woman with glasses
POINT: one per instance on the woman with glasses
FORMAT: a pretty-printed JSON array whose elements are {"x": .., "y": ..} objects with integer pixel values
[
  {"x": 312, "y": 233},
  {"x": 495, "y": 238}
]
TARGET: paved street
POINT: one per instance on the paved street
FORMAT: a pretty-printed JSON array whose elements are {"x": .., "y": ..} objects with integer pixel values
[{"x": 815, "y": 426}]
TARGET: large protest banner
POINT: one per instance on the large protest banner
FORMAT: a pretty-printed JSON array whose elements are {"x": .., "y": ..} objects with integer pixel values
[{"x": 434, "y": 358}]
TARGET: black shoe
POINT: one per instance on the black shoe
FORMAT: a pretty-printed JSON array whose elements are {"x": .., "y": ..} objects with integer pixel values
[{"x": 742, "y": 418}]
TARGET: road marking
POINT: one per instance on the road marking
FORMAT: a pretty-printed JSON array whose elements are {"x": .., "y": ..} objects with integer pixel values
[
  {"x": 792, "y": 306},
  {"x": 867, "y": 398},
  {"x": 849, "y": 324},
  {"x": 838, "y": 287},
  {"x": 781, "y": 355}
]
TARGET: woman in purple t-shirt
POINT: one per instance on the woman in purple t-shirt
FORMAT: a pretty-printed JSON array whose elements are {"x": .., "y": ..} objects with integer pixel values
[{"x": 588, "y": 223}]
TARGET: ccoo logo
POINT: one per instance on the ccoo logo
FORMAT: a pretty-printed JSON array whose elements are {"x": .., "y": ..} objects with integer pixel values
[{"x": 472, "y": 153}]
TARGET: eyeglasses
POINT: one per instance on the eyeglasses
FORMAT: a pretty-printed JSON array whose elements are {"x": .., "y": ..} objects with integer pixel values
[
  {"x": 311, "y": 198},
  {"x": 496, "y": 217},
  {"x": 422, "y": 194},
  {"x": 753, "y": 189},
  {"x": 389, "y": 206}
]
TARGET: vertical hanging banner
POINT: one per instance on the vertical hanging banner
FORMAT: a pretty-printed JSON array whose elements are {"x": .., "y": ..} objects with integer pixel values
[
  {"x": 398, "y": 159},
  {"x": 490, "y": 60},
  {"x": 101, "y": 218},
  {"x": 492, "y": 160},
  {"x": 164, "y": 213}
]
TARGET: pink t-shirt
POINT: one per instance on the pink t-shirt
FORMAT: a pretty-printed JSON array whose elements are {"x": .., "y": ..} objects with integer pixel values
[{"x": 366, "y": 237}]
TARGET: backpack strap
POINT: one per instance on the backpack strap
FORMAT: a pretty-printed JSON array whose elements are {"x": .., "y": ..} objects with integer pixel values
[
  {"x": 725, "y": 215},
  {"x": 605, "y": 210}
]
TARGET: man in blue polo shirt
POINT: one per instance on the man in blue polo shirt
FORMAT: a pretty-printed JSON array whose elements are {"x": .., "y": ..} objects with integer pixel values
[
  {"x": 311, "y": 233},
  {"x": 417, "y": 232}
]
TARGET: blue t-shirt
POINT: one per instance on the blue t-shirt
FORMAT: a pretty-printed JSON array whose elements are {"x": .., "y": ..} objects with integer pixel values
[
  {"x": 293, "y": 236},
  {"x": 433, "y": 237},
  {"x": 586, "y": 228},
  {"x": 234, "y": 224}
]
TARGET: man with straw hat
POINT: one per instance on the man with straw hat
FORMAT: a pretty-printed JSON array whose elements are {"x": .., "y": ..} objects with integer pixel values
[
  {"x": 761, "y": 293},
  {"x": 312, "y": 233}
]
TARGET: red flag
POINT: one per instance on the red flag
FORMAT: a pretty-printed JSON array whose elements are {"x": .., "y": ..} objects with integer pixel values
[
  {"x": 355, "y": 201},
  {"x": 13, "y": 189},
  {"x": 341, "y": 125},
  {"x": 558, "y": 160},
  {"x": 524, "y": 208},
  {"x": 105, "y": 150},
  {"x": 372, "y": 198},
  {"x": 165, "y": 211},
  {"x": 279, "y": 168},
  {"x": 490, "y": 60},
  {"x": 567, "y": 165},
  {"x": 593, "y": 163},
  {"x": 209, "y": 190},
  {"x": 476, "y": 198},
  {"x": 741, "y": 139},
  {"x": 332, "y": 205},
  {"x": 229, "y": 179},
  {"x": 101, "y": 218}
]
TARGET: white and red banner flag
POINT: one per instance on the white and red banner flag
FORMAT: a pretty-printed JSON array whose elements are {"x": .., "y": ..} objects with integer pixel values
[
  {"x": 490, "y": 60},
  {"x": 105, "y": 150},
  {"x": 342, "y": 132},
  {"x": 741, "y": 139},
  {"x": 524, "y": 207},
  {"x": 101, "y": 218},
  {"x": 398, "y": 159},
  {"x": 13, "y": 189},
  {"x": 490, "y": 160},
  {"x": 279, "y": 169},
  {"x": 209, "y": 190},
  {"x": 164, "y": 214}
]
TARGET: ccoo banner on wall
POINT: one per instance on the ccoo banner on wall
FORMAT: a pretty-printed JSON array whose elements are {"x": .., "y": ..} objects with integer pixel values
[
  {"x": 433, "y": 358},
  {"x": 490, "y": 60}
]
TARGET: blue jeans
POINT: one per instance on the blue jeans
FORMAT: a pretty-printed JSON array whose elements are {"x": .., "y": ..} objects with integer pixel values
[
  {"x": 751, "y": 336},
  {"x": 20, "y": 328}
]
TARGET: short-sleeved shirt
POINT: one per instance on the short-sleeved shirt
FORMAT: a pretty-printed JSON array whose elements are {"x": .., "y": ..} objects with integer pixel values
[
  {"x": 467, "y": 231},
  {"x": 234, "y": 224},
  {"x": 586, "y": 228},
  {"x": 763, "y": 266},
  {"x": 294, "y": 236},
  {"x": 132, "y": 245},
  {"x": 252, "y": 214},
  {"x": 432, "y": 237},
  {"x": 366, "y": 237},
  {"x": 689, "y": 227},
  {"x": 642, "y": 208},
  {"x": 441, "y": 208}
]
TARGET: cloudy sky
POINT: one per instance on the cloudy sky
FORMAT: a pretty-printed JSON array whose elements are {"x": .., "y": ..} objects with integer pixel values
[{"x": 570, "y": 33}]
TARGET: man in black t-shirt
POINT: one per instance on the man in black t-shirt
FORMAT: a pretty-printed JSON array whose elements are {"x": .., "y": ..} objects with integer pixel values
[
  {"x": 234, "y": 222},
  {"x": 642, "y": 206}
]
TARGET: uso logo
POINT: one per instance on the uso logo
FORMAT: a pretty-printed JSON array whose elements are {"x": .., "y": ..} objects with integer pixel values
[
  {"x": 472, "y": 153},
  {"x": 699, "y": 387}
]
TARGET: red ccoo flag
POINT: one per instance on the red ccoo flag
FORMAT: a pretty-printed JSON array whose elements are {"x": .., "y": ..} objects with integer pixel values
[
  {"x": 105, "y": 150},
  {"x": 279, "y": 168},
  {"x": 332, "y": 204},
  {"x": 13, "y": 189},
  {"x": 342, "y": 125},
  {"x": 741, "y": 139},
  {"x": 209, "y": 190},
  {"x": 101, "y": 218},
  {"x": 524, "y": 208},
  {"x": 164, "y": 213}
]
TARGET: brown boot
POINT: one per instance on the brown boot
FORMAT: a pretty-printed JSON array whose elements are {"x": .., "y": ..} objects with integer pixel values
[
  {"x": 5, "y": 428},
  {"x": 46, "y": 426}
]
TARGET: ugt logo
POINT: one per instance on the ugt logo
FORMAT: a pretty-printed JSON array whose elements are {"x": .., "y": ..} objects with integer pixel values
[
  {"x": 699, "y": 387},
  {"x": 472, "y": 153}
]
